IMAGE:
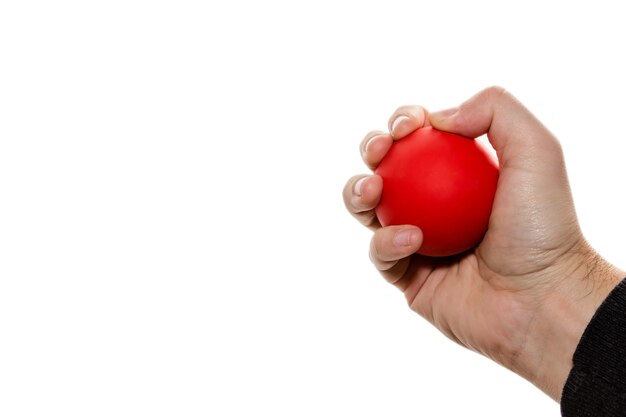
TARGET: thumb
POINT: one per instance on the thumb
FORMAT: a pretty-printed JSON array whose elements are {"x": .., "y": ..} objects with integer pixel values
[{"x": 520, "y": 140}]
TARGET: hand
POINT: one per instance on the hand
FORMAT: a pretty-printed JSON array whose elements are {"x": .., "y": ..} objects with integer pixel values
[{"x": 524, "y": 296}]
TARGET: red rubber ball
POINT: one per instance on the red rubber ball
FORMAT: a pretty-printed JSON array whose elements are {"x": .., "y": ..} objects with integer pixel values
[{"x": 444, "y": 184}]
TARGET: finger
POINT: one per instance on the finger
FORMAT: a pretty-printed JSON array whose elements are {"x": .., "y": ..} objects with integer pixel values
[
  {"x": 391, "y": 248},
  {"x": 374, "y": 147},
  {"x": 361, "y": 195},
  {"x": 517, "y": 136},
  {"x": 406, "y": 119}
]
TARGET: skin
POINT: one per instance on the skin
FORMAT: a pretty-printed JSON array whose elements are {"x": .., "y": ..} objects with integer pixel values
[{"x": 525, "y": 294}]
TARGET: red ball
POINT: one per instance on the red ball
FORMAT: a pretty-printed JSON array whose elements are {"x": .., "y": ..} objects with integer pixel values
[{"x": 444, "y": 184}]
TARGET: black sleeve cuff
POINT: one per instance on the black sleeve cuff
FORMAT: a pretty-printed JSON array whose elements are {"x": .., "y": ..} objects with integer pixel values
[{"x": 596, "y": 386}]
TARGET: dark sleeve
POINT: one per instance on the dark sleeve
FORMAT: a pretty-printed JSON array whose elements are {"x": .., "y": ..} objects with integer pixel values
[{"x": 596, "y": 386}]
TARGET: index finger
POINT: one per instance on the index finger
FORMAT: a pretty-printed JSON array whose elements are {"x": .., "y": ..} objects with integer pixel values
[
  {"x": 404, "y": 120},
  {"x": 407, "y": 119}
]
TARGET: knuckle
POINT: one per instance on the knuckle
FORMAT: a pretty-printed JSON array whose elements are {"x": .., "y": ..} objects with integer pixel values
[
  {"x": 500, "y": 94},
  {"x": 495, "y": 90}
]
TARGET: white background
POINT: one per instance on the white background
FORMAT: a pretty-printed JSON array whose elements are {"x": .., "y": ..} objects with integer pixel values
[{"x": 172, "y": 236}]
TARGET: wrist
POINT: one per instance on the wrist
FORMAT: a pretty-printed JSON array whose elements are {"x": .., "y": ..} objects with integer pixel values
[{"x": 583, "y": 282}]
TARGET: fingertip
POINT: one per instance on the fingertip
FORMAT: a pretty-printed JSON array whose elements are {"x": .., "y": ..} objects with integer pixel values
[
  {"x": 401, "y": 126},
  {"x": 393, "y": 243},
  {"x": 368, "y": 139},
  {"x": 357, "y": 189},
  {"x": 410, "y": 237},
  {"x": 376, "y": 149},
  {"x": 405, "y": 120},
  {"x": 370, "y": 190}
]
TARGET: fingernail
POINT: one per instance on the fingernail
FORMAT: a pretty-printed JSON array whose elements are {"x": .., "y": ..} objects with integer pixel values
[
  {"x": 444, "y": 114},
  {"x": 405, "y": 238},
  {"x": 397, "y": 122},
  {"x": 359, "y": 185},
  {"x": 369, "y": 141}
]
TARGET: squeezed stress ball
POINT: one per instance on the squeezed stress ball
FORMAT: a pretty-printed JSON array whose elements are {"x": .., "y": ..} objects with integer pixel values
[{"x": 444, "y": 184}]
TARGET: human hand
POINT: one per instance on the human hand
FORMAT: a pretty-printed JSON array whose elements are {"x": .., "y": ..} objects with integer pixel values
[{"x": 525, "y": 294}]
